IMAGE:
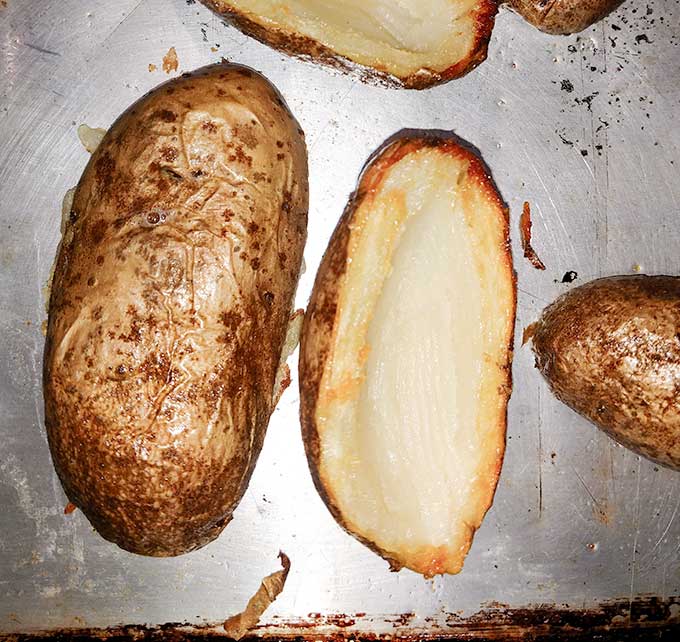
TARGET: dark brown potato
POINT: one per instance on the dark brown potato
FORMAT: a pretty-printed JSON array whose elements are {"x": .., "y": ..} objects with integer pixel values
[
  {"x": 610, "y": 350},
  {"x": 402, "y": 394},
  {"x": 414, "y": 44},
  {"x": 169, "y": 307},
  {"x": 563, "y": 16}
]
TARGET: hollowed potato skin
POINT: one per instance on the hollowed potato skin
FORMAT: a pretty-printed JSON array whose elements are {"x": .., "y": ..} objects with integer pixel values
[
  {"x": 169, "y": 307},
  {"x": 610, "y": 350},
  {"x": 320, "y": 326},
  {"x": 307, "y": 48}
]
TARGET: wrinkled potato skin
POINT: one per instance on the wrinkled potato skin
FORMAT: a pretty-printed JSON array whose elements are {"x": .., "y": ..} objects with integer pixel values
[
  {"x": 563, "y": 16},
  {"x": 610, "y": 350},
  {"x": 169, "y": 307}
]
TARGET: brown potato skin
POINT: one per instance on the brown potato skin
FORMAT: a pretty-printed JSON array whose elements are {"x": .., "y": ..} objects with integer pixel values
[
  {"x": 309, "y": 49},
  {"x": 169, "y": 307},
  {"x": 610, "y": 350},
  {"x": 319, "y": 323},
  {"x": 563, "y": 16}
]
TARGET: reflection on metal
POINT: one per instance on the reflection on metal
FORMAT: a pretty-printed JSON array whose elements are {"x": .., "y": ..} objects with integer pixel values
[{"x": 579, "y": 126}]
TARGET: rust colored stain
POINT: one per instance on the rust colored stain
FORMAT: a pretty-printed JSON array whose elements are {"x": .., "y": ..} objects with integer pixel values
[
  {"x": 525, "y": 235},
  {"x": 648, "y": 618},
  {"x": 69, "y": 508}
]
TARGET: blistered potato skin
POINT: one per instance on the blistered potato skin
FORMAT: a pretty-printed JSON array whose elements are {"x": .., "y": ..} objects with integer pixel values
[
  {"x": 170, "y": 301},
  {"x": 610, "y": 350},
  {"x": 563, "y": 16},
  {"x": 307, "y": 48}
]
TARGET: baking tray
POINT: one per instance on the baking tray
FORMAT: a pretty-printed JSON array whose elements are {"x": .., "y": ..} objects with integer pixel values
[{"x": 582, "y": 532}]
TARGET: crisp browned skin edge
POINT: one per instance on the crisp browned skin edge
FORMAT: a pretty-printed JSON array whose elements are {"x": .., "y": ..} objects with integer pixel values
[
  {"x": 249, "y": 249},
  {"x": 582, "y": 360},
  {"x": 563, "y": 17},
  {"x": 319, "y": 324},
  {"x": 310, "y": 49}
]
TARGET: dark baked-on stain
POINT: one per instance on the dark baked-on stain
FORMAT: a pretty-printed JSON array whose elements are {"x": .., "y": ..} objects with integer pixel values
[{"x": 622, "y": 620}]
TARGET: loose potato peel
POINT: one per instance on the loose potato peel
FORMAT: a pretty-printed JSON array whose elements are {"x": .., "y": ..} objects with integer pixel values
[
  {"x": 405, "y": 356},
  {"x": 289, "y": 345},
  {"x": 272, "y": 585}
]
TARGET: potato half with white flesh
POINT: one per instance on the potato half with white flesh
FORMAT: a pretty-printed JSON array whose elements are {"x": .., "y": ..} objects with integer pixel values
[
  {"x": 413, "y": 43},
  {"x": 563, "y": 16},
  {"x": 406, "y": 355}
]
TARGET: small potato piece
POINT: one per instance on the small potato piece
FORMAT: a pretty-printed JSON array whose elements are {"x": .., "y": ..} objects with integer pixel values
[
  {"x": 563, "y": 16},
  {"x": 169, "y": 308},
  {"x": 409, "y": 43},
  {"x": 610, "y": 349},
  {"x": 406, "y": 353}
]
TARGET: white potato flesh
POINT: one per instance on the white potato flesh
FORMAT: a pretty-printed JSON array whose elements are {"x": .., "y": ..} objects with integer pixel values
[
  {"x": 411, "y": 412},
  {"x": 400, "y": 37}
]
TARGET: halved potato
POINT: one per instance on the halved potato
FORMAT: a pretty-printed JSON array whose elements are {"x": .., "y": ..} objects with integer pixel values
[
  {"x": 406, "y": 354},
  {"x": 414, "y": 43}
]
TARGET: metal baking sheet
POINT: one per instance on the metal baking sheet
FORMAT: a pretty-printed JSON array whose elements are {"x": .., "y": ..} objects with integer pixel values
[{"x": 584, "y": 127}]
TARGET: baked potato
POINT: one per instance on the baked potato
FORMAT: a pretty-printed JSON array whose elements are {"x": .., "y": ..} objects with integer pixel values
[
  {"x": 169, "y": 307},
  {"x": 406, "y": 353},
  {"x": 563, "y": 16},
  {"x": 610, "y": 349},
  {"x": 410, "y": 43}
]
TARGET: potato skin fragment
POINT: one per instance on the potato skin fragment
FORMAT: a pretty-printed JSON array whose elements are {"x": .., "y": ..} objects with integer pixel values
[
  {"x": 169, "y": 307},
  {"x": 610, "y": 350},
  {"x": 320, "y": 326}
]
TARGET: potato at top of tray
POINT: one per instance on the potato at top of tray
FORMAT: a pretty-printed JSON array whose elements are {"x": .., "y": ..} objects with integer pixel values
[
  {"x": 406, "y": 353},
  {"x": 610, "y": 349},
  {"x": 412, "y": 43},
  {"x": 169, "y": 308},
  {"x": 563, "y": 16}
]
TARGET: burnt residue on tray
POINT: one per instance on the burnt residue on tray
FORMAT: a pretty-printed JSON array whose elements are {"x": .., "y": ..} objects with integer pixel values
[
  {"x": 628, "y": 37},
  {"x": 569, "y": 276},
  {"x": 648, "y": 618}
]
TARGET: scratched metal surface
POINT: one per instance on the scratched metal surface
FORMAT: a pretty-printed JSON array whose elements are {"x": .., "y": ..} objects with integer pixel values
[{"x": 585, "y": 128}]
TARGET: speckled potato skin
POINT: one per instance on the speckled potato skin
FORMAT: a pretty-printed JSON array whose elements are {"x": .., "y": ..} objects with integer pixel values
[
  {"x": 563, "y": 16},
  {"x": 610, "y": 350},
  {"x": 169, "y": 307}
]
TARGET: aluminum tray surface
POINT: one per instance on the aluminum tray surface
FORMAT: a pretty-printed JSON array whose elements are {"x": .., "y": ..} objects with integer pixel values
[{"x": 583, "y": 127}]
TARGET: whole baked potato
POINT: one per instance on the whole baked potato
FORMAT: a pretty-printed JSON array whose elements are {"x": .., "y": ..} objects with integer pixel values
[
  {"x": 563, "y": 16},
  {"x": 409, "y": 43},
  {"x": 406, "y": 353},
  {"x": 610, "y": 349},
  {"x": 169, "y": 307}
]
